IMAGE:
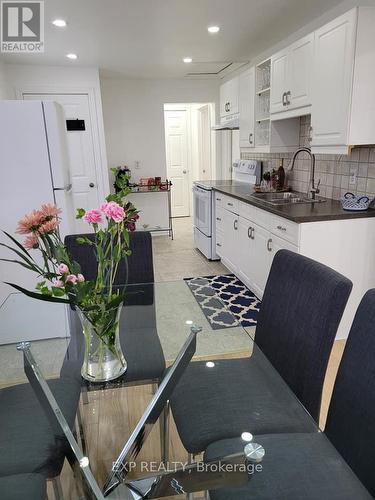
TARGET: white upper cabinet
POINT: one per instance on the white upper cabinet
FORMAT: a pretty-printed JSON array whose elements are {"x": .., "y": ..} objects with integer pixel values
[
  {"x": 291, "y": 78},
  {"x": 229, "y": 97},
  {"x": 299, "y": 71},
  {"x": 246, "y": 108},
  {"x": 279, "y": 81},
  {"x": 334, "y": 48},
  {"x": 362, "y": 123}
]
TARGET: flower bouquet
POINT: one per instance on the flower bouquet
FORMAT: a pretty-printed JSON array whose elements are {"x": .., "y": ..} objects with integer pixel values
[{"x": 98, "y": 302}]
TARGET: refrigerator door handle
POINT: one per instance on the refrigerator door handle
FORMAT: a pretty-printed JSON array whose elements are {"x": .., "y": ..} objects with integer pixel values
[{"x": 66, "y": 188}]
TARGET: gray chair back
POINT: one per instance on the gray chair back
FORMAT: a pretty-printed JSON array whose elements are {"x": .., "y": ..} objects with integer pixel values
[
  {"x": 301, "y": 310},
  {"x": 351, "y": 417}
]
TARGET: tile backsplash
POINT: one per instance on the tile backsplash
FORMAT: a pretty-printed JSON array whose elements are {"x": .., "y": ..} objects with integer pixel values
[{"x": 334, "y": 171}]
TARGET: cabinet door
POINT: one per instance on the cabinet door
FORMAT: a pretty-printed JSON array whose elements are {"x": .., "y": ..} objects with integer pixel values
[
  {"x": 246, "y": 108},
  {"x": 224, "y": 98},
  {"x": 229, "y": 249},
  {"x": 279, "y": 68},
  {"x": 299, "y": 72},
  {"x": 233, "y": 95},
  {"x": 281, "y": 244},
  {"x": 332, "y": 75},
  {"x": 261, "y": 263},
  {"x": 246, "y": 251}
]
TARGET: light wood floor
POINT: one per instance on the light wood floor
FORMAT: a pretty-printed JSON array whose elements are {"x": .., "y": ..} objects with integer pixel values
[{"x": 110, "y": 415}]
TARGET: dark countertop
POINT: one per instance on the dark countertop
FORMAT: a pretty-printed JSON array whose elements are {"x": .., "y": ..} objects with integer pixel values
[{"x": 296, "y": 212}]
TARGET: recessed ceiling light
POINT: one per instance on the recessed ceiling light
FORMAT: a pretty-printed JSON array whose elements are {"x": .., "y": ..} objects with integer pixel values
[
  {"x": 213, "y": 29},
  {"x": 60, "y": 23},
  {"x": 187, "y": 59},
  {"x": 72, "y": 56}
]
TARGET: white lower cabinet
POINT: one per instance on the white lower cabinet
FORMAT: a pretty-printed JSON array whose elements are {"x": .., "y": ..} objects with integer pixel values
[{"x": 247, "y": 248}]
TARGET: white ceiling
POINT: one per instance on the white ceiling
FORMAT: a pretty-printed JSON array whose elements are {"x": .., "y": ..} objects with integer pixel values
[{"x": 149, "y": 38}]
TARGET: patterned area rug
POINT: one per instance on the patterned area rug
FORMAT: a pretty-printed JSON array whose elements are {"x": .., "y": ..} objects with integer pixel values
[{"x": 225, "y": 301}]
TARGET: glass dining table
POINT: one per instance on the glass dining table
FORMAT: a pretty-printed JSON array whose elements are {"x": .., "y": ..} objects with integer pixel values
[{"x": 43, "y": 342}]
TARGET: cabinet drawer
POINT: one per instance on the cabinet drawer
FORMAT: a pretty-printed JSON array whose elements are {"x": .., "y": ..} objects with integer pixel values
[
  {"x": 230, "y": 204},
  {"x": 219, "y": 219},
  {"x": 285, "y": 229},
  {"x": 219, "y": 200},
  {"x": 219, "y": 242}
]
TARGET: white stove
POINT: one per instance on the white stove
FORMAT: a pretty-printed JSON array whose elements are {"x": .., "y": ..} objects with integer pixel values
[{"x": 244, "y": 172}]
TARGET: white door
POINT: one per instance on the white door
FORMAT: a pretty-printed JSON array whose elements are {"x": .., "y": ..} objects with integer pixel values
[
  {"x": 332, "y": 76},
  {"x": 246, "y": 108},
  {"x": 204, "y": 143},
  {"x": 233, "y": 95},
  {"x": 177, "y": 160},
  {"x": 299, "y": 72},
  {"x": 279, "y": 69},
  {"x": 82, "y": 161}
]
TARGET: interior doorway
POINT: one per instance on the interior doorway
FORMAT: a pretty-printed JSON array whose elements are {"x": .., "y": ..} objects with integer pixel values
[{"x": 190, "y": 151}]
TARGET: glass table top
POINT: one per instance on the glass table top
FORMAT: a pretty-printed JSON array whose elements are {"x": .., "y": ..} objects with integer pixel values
[{"x": 155, "y": 322}]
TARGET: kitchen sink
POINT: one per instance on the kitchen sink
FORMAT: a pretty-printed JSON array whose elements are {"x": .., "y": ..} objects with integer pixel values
[{"x": 285, "y": 198}]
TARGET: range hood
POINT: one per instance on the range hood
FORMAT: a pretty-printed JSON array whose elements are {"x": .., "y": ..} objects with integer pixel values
[{"x": 231, "y": 123}]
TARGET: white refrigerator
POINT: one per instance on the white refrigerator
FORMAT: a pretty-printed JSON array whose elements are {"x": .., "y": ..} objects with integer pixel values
[{"x": 34, "y": 169}]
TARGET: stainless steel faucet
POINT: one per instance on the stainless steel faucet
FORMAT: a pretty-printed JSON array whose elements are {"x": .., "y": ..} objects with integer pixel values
[{"x": 314, "y": 189}]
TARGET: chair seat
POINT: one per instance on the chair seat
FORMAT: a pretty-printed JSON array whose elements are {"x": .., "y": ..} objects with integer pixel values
[
  {"x": 295, "y": 466},
  {"x": 248, "y": 395},
  {"x": 27, "y": 442},
  {"x": 22, "y": 486}
]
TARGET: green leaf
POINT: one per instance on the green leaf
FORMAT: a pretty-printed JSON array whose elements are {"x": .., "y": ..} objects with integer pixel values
[
  {"x": 14, "y": 261},
  {"x": 84, "y": 241},
  {"x": 30, "y": 262},
  {"x": 16, "y": 242},
  {"x": 58, "y": 292},
  {"x": 38, "y": 296},
  {"x": 80, "y": 213}
]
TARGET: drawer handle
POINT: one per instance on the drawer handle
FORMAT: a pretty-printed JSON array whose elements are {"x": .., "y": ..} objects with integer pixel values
[
  {"x": 218, "y": 218},
  {"x": 269, "y": 243},
  {"x": 235, "y": 222},
  {"x": 218, "y": 199},
  {"x": 281, "y": 228},
  {"x": 230, "y": 204},
  {"x": 218, "y": 244}
]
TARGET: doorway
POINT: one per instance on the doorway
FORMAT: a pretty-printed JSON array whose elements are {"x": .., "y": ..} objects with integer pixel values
[{"x": 190, "y": 151}]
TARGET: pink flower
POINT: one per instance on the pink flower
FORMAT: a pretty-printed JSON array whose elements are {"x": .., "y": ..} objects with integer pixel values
[
  {"x": 57, "y": 283},
  {"x": 50, "y": 210},
  {"x": 80, "y": 278},
  {"x": 31, "y": 242},
  {"x": 49, "y": 226},
  {"x": 72, "y": 278},
  {"x": 113, "y": 211},
  {"x": 30, "y": 223},
  {"x": 63, "y": 269},
  {"x": 93, "y": 217}
]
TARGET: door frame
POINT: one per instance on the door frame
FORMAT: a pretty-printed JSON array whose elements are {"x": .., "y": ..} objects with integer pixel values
[
  {"x": 188, "y": 106},
  {"x": 97, "y": 125}
]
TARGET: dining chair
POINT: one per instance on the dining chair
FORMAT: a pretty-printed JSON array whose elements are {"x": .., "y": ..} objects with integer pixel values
[
  {"x": 338, "y": 464},
  {"x": 136, "y": 268},
  {"x": 22, "y": 486},
  {"x": 301, "y": 309},
  {"x": 28, "y": 444}
]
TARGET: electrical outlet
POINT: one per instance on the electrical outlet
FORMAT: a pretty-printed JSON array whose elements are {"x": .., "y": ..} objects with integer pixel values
[
  {"x": 352, "y": 179},
  {"x": 137, "y": 165}
]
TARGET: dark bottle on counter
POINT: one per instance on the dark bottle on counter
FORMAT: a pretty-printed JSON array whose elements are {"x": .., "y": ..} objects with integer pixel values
[{"x": 281, "y": 175}]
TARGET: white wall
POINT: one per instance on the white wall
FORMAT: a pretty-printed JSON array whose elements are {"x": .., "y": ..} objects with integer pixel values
[
  {"x": 3, "y": 83},
  {"x": 134, "y": 126},
  {"x": 63, "y": 79}
]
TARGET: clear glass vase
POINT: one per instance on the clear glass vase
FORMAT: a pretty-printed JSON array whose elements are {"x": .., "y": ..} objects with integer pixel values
[{"x": 104, "y": 359}]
